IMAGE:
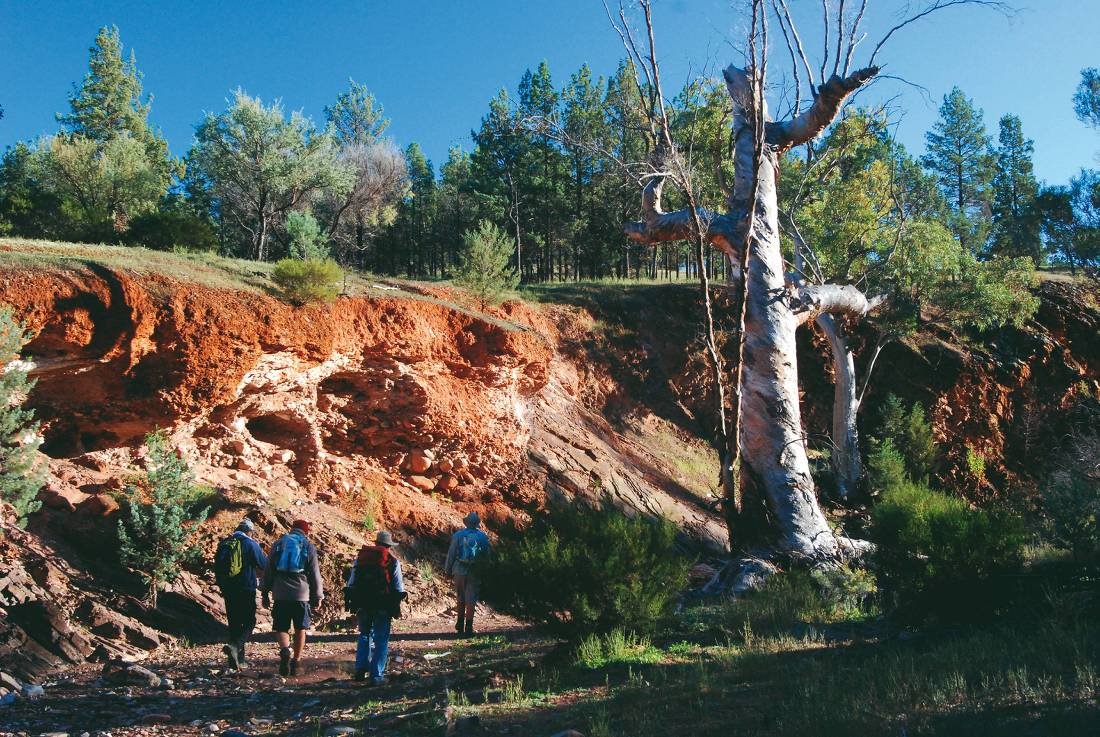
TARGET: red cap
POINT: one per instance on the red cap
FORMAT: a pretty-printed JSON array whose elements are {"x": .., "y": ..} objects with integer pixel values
[{"x": 301, "y": 524}]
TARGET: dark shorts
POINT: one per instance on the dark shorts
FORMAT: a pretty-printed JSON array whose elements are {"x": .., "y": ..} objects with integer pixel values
[{"x": 287, "y": 613}]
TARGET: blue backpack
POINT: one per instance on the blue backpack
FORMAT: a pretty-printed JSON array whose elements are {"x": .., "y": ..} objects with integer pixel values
[
  {"x": 471, "y": 548},
  {"x": 293, "y": 553}
]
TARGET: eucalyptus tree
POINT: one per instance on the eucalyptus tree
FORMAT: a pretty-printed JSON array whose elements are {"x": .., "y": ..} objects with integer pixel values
[
  {"x": 376, "y": 171},
  {"x": 256, "y": 165},
  {"x": 769, "y": 456},
  {"x": 857, "y": 213}
]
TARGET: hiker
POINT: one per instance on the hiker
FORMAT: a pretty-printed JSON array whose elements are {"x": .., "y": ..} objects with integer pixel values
[
  {"x": 293, "y": 576},
  {"x": 469, "y": 548},
  {"x": 238, "y": 564},
  {"x": 374, "y": 592}
]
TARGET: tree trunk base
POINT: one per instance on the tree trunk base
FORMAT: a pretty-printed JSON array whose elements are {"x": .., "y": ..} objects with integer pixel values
[{"x": 749, "y": 572}]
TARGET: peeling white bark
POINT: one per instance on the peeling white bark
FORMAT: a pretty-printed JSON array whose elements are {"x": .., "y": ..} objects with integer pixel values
[
  {"x": 772, "y": 443},
  {"x": 844, "y": 457}
]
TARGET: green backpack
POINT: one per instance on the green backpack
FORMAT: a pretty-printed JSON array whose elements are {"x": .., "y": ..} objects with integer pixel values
[{"x": 229, "y": 560}]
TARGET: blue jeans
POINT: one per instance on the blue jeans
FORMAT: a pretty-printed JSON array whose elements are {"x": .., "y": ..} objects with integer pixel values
[{"x": 374, "y": 642}]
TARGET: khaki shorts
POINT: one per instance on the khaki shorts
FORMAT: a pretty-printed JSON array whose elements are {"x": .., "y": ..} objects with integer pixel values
[{"x": 467, "y": 588}]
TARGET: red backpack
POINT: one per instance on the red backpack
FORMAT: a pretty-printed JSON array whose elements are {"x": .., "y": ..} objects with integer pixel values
[{"x": 373, "y": 584}]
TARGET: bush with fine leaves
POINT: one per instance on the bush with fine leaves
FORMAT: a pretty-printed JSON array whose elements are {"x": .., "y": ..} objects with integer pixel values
[
  {"x": 937, "y": 557},
  {"x": 585, "y": 569},
  {"x": 21, "y": 473},
  {"x": 485, "y": 269},
  {"x": 307, "y": 281},
  {"x": 157, "y": 535}
]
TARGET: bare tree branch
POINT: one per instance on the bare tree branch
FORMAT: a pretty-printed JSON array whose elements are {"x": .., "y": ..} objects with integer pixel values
[
  {"x": 932, "y": 7},
  {"x": 816, "y": 119}
]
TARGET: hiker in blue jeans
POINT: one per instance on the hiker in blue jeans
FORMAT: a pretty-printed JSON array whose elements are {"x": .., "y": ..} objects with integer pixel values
[{"x": 374, "y": 591}]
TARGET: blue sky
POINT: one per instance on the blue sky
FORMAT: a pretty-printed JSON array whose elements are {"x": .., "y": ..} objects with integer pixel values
[{"x": 435, "y": 64}]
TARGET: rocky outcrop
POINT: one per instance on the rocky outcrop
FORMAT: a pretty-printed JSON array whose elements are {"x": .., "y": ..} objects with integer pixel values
[
  {"x": 51, "y": 614},
  {"x": 407, "y": 411}
]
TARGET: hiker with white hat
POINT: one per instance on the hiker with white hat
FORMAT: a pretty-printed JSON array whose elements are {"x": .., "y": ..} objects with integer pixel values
[
  {"x": 469, "y": 550},
  {"x": 374, "y": 592}
]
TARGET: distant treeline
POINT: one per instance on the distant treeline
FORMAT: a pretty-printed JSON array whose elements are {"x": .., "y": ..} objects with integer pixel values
[{"x": 556, "y": 168}]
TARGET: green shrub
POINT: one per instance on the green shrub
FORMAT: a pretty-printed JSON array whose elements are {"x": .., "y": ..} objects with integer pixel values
[
  {"x": 827, "y": 596},
  {"x": 586, "y": 569},
  {"x": 975, "y": 463},
  {"x": 937, "y": 557},
  {"x": 1071, "y": 495},
  {"x": 302, "y": 282},
  {"x": 157, "y": 535},
  {"x": 911, "y": 434},
  {"x": 485, "y": 269},
  {"x": 885, "y": 465},
  {"x": 1071, "y": 502},
  {"x": 21, "y": 473},
  {"x": 174, "y": 228},
  {"x": 615, "y": 648}
]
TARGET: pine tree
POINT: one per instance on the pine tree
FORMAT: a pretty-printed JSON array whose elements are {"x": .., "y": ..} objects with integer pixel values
[
  {"x": 1015, "y": 221},
  {"x": 484, "y": 270},
  {"x": 1086, "y": 101},
  {"x": 545, "y": 173},
  {"x": 109, "y": 103},
  {"x": 21, "y": 475},
  {"x": 356, "y": 117},
  {"x": 157, "y": 537},
  {"x": 959, "y": 154},
  {"x": 307, "y": 241},
  {"x": 420, "y": 253}
]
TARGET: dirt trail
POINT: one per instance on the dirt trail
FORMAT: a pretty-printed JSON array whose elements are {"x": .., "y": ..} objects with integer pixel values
[{"x": 426, "y": 659}]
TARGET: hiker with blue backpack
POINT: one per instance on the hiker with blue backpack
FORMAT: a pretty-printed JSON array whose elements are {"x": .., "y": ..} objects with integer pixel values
[
  {"x": 374, "y": 593},
  {"x": 293, "y": 577},
  {"x": 238, "y": 564},
  {"x": 468, "y": 551}
]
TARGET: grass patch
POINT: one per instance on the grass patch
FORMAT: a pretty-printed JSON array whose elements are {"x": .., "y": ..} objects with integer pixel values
[
  {"x": 210, "y": 270},
  {"x": 617, "y": 648},
  {"x": 693, "y": 463}
]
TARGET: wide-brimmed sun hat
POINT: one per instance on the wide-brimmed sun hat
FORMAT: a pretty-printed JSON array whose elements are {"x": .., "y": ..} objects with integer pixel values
[
  {"x": 246, "y": 525},
  {"x": 384, "y": 539},
  {"x": 472, "y": 520}
]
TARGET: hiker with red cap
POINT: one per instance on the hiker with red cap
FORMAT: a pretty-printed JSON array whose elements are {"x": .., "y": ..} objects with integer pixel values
[
  {"x": 374, "y": 593},
  {"x": 293, "y": 576}
]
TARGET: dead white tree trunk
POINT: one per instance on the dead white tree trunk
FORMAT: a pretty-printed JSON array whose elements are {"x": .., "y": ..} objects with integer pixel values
[
  {"x": 844, "y": 454},
  {"x": 772, "y": 443},
  {"x": 823, "y": 303}
]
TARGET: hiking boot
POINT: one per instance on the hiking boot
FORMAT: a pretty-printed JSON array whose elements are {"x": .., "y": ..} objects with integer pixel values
[
  {"x": 233, "y": 657},
  {"x": 240, "y": 655},
  {"x": 294, "y": 667},
  {"x": 284, "y": 661},
  {"x": 360, "y": 675},
  {"x": 468, "y": 630},
  {"x": 460, "y": 624},
  {"x": 377, "y": 681}
]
